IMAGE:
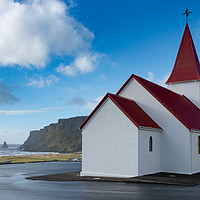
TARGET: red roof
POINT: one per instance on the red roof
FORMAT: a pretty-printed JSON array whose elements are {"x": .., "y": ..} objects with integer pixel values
[
  {"x": 186, "y": 67},
  {"x": 179, "y": 105},
  {"x": 130, "y": 109}
]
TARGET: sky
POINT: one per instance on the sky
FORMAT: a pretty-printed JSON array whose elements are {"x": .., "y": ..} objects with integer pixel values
[{"x": 58, "y": 58}]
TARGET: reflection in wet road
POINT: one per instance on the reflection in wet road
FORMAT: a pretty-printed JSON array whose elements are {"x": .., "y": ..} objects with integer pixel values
[{"x": 14, "y": 186}]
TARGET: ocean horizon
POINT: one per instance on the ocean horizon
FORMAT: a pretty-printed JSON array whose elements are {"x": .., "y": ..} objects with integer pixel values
[{"x": 14, "y": 150}]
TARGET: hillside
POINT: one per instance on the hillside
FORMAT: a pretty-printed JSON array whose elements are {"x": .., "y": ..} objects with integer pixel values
[{"x": 63, "y": 136}]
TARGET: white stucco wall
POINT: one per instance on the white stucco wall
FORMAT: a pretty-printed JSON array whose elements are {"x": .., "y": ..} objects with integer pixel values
[
  {"x": 190, "y": 89},
  {"x": 195, "y": 154},
  {"x": 148, "y": 161},
  {"x": 175, "y": 138},
  {"x": 110, "y": 144}
]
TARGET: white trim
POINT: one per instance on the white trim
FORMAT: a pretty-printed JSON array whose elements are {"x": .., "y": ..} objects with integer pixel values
[
  {"x": 150, "y": 129},
  {"x": 97, "y": 174},
  {"x": 195, "y": 131},
  {"x": 183, "y": 82}
]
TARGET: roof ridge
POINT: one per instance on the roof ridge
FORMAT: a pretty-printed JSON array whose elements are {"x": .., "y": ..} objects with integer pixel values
[
  {"x": 161, "y": 101},
  {"x": 132, "y": 76},
  {"x": 158, "y": 85},
  {"x": 191, "y": 102},
  {"x": 113, "y": 100},
  {"x": 126, "y": 108},
  {"x": 126, "y": 113},
  {"x": 121, "y": 97}
]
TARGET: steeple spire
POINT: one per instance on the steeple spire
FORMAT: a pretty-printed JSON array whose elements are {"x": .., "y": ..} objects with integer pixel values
[{"x": 186, "y": 67}]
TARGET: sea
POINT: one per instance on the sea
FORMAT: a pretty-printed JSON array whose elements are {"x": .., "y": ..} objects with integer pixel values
[
  {"x": 14, "y": 150},
  {"x": 15, "y": 186}
]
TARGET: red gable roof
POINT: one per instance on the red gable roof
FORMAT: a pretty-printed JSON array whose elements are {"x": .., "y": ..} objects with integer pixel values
[
  {"x": 130, "y": 109},
  {"x": 179, "y": 105},
  {"x": 187, "y": 67}
]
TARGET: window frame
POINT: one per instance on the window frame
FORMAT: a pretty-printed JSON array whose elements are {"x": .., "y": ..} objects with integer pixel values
[{"x": 150, "y": 144}]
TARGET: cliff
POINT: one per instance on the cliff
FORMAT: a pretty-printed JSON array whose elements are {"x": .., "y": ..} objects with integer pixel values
[{"x": 63, "y": 136}]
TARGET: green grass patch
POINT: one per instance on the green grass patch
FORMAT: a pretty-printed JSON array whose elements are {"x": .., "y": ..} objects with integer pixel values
[{"x": 41, "y": 158}]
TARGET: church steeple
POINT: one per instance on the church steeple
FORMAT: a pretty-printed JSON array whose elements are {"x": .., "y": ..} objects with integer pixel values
[{"x": 187, "y": 67}]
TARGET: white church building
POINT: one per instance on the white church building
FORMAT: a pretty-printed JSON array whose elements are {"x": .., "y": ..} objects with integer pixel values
[{"x": 145, "y": 128}]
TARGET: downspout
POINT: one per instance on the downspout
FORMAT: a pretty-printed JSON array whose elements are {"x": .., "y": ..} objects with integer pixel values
[{"x": 191, "y": 150}]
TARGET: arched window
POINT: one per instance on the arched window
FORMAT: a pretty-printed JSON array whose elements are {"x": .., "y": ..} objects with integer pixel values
[{"x": 150, "y": 143}]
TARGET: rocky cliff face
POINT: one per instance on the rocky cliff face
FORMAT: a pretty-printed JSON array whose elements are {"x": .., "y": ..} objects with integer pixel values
[{"x": 63, "y": 136}]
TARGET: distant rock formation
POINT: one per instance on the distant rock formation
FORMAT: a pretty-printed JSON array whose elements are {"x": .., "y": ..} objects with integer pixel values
[
  {"x": 5, "y": 146},
  {"x": 64, "y": 136}
]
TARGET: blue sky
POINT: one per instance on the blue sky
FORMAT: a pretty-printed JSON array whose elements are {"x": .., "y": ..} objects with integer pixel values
[{"x": 59, "y": 58}]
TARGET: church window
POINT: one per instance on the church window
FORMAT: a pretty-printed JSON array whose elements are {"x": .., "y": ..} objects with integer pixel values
[
  {"x": 198, "y": 144},
  {"x": 150, "y": 143}
]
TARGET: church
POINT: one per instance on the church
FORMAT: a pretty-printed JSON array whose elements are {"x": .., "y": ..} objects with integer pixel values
[{"x": 145, "y": 128}]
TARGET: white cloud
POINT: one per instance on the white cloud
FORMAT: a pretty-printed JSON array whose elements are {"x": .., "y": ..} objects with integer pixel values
[
  {"x": 162, "y": 81},
  {"x": 91, "y": 104},
  {"x": 77, "y": 101},
  {"x": 33, "y": 30},
  {"x": 18, "y": 112},
  {"x": 23, "y": 112},
  {"x": 102, "y": 77},
  {"x": 66, "y": 70},
  {"x": 86, "y": 104},
  {"x": 41, "y": 82},
  {"x": 151, "y": 76},
  {"x": 84, "y": 63}
]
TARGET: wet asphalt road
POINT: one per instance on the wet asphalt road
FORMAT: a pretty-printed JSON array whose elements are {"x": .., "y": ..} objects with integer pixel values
[{"x": 14, "y": 186}]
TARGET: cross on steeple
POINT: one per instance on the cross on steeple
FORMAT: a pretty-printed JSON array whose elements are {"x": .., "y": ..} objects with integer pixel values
[{"x": 186, "y": 13}]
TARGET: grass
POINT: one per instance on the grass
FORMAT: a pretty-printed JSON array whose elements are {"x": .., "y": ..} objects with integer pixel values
[{"x": 41, "y": 158}]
